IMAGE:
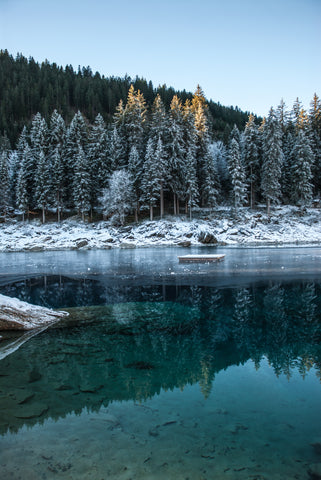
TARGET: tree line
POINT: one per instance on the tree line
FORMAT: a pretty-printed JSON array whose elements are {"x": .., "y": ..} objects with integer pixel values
[
  {"x": 28, "y": 87},
  {"x": 163, "y": 159}
]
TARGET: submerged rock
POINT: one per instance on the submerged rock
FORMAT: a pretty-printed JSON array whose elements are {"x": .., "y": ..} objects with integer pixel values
[
  {"x": 315, "y": 471},
  {"x": 18, "y": 315}
]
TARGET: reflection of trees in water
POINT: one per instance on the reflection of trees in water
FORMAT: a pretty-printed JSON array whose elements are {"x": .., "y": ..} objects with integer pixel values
[{"x": 188, "y": 338}]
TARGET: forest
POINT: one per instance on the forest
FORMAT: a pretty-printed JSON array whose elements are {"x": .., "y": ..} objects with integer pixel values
[
  {"x": 158, "y": 159},
  {"x": 28, "y": 87}
]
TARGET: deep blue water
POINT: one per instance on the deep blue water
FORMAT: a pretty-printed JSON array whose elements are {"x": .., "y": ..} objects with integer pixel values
[{"x": 162, "y": 370}]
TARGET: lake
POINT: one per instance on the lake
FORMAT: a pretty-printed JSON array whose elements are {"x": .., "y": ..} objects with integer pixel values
[{"x": 165, "y": 370}]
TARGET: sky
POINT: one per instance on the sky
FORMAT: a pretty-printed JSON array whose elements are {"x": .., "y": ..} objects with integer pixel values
[{"x": 245, "y": 53}]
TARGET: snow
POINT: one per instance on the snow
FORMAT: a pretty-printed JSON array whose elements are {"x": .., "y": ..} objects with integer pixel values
[
  {"x": 16, "y": 314},
  {"x": 286, "y": 225}
]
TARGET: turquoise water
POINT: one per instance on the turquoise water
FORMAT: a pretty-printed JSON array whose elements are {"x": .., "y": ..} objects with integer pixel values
[{"x": 165, "y": 382}]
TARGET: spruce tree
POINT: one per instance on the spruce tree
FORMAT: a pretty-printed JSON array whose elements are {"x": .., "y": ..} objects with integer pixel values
[
  {"x": 272, "y": 160},
  {"x": 43, "y": 184},
  {"x": 135, "y": 120},
  {"x": 251, "y": 158},
  {"x": 5, "y": 183},
  {"x": 77, "y": 136},
  {"x": 135, "y": 168},
  {"x": 22, "y": 197},
  {"x": 191, "y": 180},
  {"x": 237, "y": 174},
  {"x": 150, "y": 184},
  {"x": 302, "y": 170},
  {"x": 176, "y": 153},
  {"x": 81, "y": 184},
  {"x": 99, "y": 164},
  {"x": 116, "y": 150},
  {"x": 315, "y": 129},
  {"x": 118, "y": 200}
]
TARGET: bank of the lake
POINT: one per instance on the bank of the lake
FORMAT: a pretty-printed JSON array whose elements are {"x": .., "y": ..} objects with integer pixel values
[{"x": 287, "y": 225}]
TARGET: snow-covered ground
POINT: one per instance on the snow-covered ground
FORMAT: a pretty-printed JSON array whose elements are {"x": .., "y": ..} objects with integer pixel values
[{"x": 285, "y": 225}]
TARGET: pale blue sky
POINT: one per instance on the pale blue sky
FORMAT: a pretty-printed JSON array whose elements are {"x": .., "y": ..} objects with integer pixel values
[{"x": 249, "y": 53}]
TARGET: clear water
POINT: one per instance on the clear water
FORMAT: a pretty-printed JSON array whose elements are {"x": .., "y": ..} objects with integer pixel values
[{"x": 193, "y": 375}]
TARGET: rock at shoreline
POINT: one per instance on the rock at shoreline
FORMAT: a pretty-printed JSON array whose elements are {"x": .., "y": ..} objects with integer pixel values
[
  {"x": 18, "y": 315},
  {"x": 207, "y": 238}
]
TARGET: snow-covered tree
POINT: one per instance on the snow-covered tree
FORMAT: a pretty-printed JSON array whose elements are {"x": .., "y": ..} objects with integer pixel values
[
  {"x": 116, "y": 150},
  {"x": 4, "y": 182},
  {"x": 81, "y": 184},
  {"x": 161, "y": 161},
  {"x": 272, "y": 160},
  {"x": 191, "y": 180},
  {"x": 77, "y": 136},
  {"x": 150, "y": 184},
  {"x": 118, "y": 199},
  {"x": 57, "y": 186},
  {"x": 135, "y": 168},
  {"x": 22, "y": 197},
  {"x": 99, "y": 163},
  {"x": 135, "y": 120},
  {"x": 176, "y": 152},
  {"x": 315, "y": 129},
  {"x": 237, "y": 174},
  {"x": 219, "y": 155},
  {"x": 251, "y": 157},
  {"x": 302, "y": 170},
  {"x": 43, "y": 184}
]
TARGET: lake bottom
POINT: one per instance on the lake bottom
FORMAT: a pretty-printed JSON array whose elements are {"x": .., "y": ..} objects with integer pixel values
[{"x": 227, "y": 387}]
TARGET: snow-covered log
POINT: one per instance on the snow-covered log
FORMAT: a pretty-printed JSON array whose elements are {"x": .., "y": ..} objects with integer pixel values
[{"x": 18, "y": 315}]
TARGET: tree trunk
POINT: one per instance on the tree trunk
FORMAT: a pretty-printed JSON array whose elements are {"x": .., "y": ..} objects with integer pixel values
[
  {"x": 174, "y": 200},
  {"x": 43, "y": 214},
  {"x": 177, "y": 206},
  {"x": 151, "y": 213},
  {"x": 268, "y": 205}
]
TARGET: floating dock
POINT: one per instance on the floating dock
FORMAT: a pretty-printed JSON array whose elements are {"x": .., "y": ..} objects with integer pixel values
[{"x": 200, "y": 258}]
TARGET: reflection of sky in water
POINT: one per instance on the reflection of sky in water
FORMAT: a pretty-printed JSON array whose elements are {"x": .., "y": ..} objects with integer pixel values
[{"x": 165, "y": 379}]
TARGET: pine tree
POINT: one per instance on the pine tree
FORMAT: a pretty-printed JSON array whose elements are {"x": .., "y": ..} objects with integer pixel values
[
  {"x": 162, "y": 162},
  {"x": 117, "y": 199},
  {"x": 5, "y": 183},
  {"x": 39, "y": 146},
  {"x": 211, "y": 185},
  {"x": 135, "y": 168},
  {"x": 286, "y": 178},
  {"x": 272, "y": 160},
  {"x": 301, "y": 170},
  {"x": 150, "y": 178},
  {"x": 135, "y": 120},
  {"x": 199, "y": 108},
  {"x": 81, "y": 184},
  {"x": 43, "y": 184},
  {"x": 220, "y": 161},
  {"x": 77, "y": 136},
  {"x": 176, "y": 153},
  {"x": 251, "y": 158},
  {"x": 22, "y": 198},
  {"x": 237, "y": 174},
  {"x": 99, "y": 164},
  {"x": 58, "y": 187},
  {"x": 116, "y": 150},
  {"x": 191, "y": 180},
  {"x": 315, "y": 129}
]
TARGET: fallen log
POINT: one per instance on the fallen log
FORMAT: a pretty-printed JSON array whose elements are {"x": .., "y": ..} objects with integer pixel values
[{"x": 18, "y": 315}]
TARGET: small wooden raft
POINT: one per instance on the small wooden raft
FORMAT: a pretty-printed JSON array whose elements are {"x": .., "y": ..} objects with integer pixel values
[{"x": 200, "y": 258}]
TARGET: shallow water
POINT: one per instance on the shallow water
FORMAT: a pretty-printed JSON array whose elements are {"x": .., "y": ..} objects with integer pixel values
[{"x": 160, "y": 380}]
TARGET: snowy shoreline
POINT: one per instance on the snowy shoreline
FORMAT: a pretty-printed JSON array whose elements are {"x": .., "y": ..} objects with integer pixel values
[{"x": 286, "y": 225}]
